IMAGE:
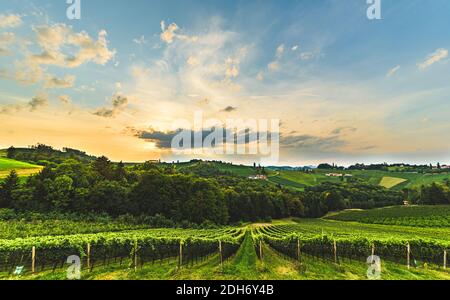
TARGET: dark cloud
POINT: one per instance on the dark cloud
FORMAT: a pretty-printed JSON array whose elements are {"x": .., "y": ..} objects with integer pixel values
[
  {"x": 34, "y": 104},
  {"x": 119, "y": 103},
  {"x": 37, "y": 102},
  {"x": 340, "y": 130},
  {"x": 229, "y": 109},
  {"x": 163, "y": 140}
]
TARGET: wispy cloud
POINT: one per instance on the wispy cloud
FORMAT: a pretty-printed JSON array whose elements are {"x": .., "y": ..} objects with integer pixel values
[
  {"x": 10, "y": 21},
  {"x": 393, "y": 71},
  {"x": 433, "y": 58}
]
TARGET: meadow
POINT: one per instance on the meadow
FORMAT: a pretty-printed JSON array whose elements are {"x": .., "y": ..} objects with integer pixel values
[{"x": 23, "y": 169}]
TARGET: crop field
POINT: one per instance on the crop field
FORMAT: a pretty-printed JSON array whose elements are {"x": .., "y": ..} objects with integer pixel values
[
  {"x": 390, "y": 182},
  {"x": 415, "y": 216}
]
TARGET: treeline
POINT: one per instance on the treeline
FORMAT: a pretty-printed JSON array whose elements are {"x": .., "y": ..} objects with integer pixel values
[
  {"x": 104, "y": 187},
  {"x": 434, "y": 194},
  {"x": 44, "y": 155},
  {"x": 339, "y": 196},
  {"x": 101, "y": 187},
  {"x": 388, "y": 167}
]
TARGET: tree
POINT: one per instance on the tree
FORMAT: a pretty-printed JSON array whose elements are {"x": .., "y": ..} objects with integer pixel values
[
  {"x": 60, "y": 194},
  {"x": 10, "y": 152},
  {"x": 7, "y": 187},
  {"x": 102, "y": 166},
  {"x": 109, "y": 197},
  {"x": 120, "y": 173}
]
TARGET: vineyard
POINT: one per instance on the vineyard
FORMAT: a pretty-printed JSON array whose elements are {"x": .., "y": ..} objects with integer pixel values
[
  {"x": 335, "y": 241},
  {"x": 306, "y": 249},
  {"x": 415, "y": 216},
  {"x": 38, "y": 254}
]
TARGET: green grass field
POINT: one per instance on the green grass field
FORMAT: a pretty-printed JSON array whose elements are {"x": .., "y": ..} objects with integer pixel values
[
  {"x": 23, "y": 169},
  {"x": 390, "y": 182}
]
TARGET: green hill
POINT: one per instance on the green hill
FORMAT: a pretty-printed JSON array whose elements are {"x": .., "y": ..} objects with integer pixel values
[{"x": 390, "y": 180}]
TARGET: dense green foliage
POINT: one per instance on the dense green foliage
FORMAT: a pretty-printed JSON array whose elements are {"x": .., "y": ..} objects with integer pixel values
[{"x": 43, "y": 154}]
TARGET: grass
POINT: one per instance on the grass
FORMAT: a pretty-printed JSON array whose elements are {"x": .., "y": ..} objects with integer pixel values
[
  {"x": 23, "y": 169},
  {"x": 390, "y": 182}
]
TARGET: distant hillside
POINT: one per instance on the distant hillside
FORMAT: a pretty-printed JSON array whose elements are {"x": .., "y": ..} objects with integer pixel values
[{"x": 387, "y": 179}]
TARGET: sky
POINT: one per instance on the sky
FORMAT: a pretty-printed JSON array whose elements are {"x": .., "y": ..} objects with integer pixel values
[{"x": 345, "y": 88}]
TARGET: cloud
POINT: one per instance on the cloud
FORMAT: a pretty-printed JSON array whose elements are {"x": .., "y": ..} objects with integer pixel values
[
  {"x": 6, "y": 39},
  {"x": 37, "y": 102},
  {"x": 340, "y": 130},
  {"x": 169, "y": 34},
  {"x": 229, "y": 109},
  {"x": 65, "y": 99},
  {"x": 119, "y": 103},
  {"x": 280, "y": 51},
  {"x": 260, "y": 76},
  {"x": 54, "y": 40},
  {"x": 309, "y": 55},
  {"x": 193, "y": 61},
  {"x": 310, "y": 142},
  {"x": 140, "y": 41},
  {"x": 10, "y": 21},
  {"x": 295, "y": 48},
  {"x": 163, "y": 139},
  {"x": 60, "y": 83},
  {"x": 393, "y": 71},
  {"x": 433, "y": 58},
  {"x": 275, "y": 65}
]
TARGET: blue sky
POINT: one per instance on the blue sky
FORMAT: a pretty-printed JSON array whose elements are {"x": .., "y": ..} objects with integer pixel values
[{"x": 346, "y": 89}]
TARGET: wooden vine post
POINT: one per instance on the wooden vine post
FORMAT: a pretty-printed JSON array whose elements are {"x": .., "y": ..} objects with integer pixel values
[
  {"x": 408, "y": 256},
  {"x": 335, "y": 252},
  {"x": 180, "y": 256},
  {"x": 261, "y": 250},
  {"x": 135, "y": 255},
  {"x": 88, "y": 253},
  {"x": 33, "y": 259},
  {"x": 299, "y": 253},
  {"x": 373, "y": 249},
  {"x": 221, "y": 254},
  {"x": 445, "y": 259}
]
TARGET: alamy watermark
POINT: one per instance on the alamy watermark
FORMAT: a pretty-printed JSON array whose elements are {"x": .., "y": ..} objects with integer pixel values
[
  {"x": 374, "y": 10},
  {"x": 374, "y": 270},
  {"x": 73, "y": 11},
  {"x": 257, "y": 137},
  {"x": 74, "y": 270}
]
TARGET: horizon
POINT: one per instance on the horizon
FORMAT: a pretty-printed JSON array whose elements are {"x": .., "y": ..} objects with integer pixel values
[
  {"x": 238, "y": 163},
  {"x": 345, "y": 88}
]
